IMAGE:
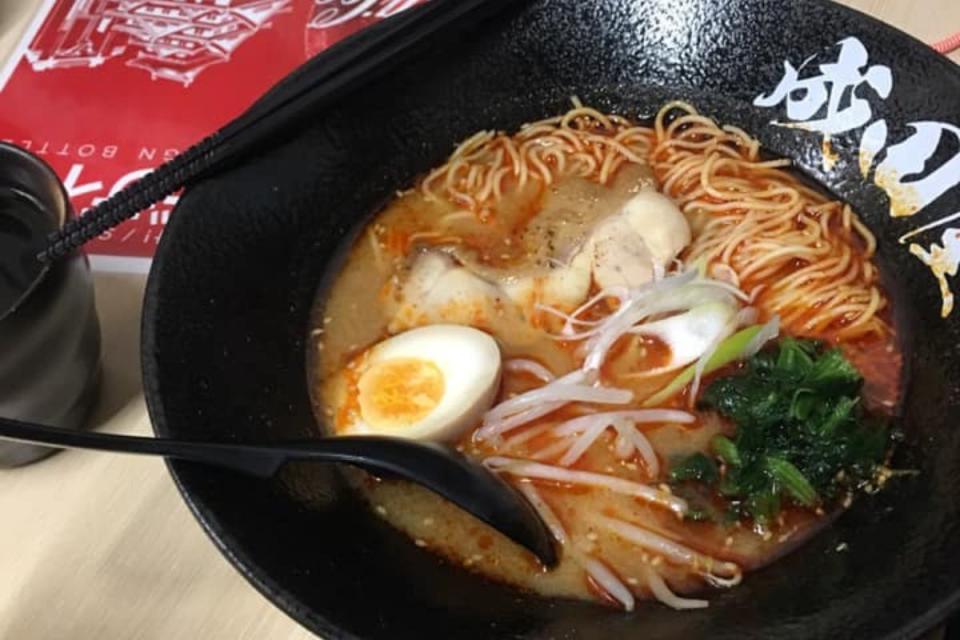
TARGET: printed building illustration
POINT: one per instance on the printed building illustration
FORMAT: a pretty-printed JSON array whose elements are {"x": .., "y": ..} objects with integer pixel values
[{"x": 171, "y": 39}]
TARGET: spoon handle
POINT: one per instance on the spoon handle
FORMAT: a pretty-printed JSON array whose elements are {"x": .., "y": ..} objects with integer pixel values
[
  {"x": 382, "y": 455},
  {"x": 263, "y": 462},
  {"x": 449, "y": 474}
]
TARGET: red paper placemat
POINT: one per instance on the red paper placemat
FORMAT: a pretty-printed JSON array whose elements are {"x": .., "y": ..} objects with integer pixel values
[{"x": 104, "y": 90}]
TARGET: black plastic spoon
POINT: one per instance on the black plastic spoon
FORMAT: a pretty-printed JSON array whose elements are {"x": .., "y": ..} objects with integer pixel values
[{"x": 462, "y": 481}]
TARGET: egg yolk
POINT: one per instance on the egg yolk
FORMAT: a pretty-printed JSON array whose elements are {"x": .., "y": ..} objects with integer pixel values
[{"x": 397, "y": 393}]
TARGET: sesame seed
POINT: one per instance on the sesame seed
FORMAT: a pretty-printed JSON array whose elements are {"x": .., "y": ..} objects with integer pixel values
[
  {"x": 428, "y": 522},
  {"x": 420, "y": 543},
  {"x": 633, "y": 581},
  {"x": 380, "y": 509}
]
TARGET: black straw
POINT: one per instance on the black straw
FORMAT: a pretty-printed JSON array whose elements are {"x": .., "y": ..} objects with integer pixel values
[{"x": 316, "y": 84}]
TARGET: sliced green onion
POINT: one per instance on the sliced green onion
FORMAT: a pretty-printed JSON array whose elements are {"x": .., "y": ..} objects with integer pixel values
[
  {"x": 792, "y": 480},
  {"x": 726, "y": 450},
  {"x": 700, "y": 266},
  {"x": 691, "y": 334},
  {"x": 763, "y": 505},
  {"x": 729, "y": 350}
]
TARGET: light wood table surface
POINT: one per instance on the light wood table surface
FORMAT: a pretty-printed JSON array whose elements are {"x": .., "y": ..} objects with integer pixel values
[{"x": 96, "y": 546}]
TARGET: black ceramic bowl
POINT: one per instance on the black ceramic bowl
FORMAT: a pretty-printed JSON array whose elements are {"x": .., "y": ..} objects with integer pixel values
[{"x": 231, "y": 289}]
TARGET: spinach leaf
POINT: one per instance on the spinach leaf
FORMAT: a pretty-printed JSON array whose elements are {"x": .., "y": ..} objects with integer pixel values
[
  {"x": 695, "y": 467},
  {"x": 832, "y": 371},
  {"x": 801, "y": 437}
]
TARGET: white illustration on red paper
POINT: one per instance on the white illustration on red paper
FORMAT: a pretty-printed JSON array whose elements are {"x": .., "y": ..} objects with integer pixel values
[
  {"x": 170, "y": 39},
  {"x": 103, "y": 54},
  {"x": 330, "y": 13}
]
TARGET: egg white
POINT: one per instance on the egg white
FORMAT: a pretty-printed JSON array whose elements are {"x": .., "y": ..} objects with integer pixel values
[{"x": 469, "y": 361}]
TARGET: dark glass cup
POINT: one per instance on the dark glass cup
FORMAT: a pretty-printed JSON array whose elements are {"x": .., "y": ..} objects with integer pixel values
[{"x": 49, "y": 332}]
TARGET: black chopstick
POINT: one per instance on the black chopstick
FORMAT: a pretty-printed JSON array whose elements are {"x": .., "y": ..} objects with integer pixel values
[{"x": 320, "y": 81}]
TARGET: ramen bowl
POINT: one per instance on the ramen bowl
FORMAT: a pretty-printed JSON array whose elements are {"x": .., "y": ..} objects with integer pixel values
[{"x": 860, "y": 108}]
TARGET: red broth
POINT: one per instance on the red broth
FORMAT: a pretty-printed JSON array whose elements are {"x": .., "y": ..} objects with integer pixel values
[{"x": 530, "y": 226}]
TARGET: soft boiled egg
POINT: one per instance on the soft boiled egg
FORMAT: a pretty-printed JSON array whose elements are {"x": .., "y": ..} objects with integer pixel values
[{"x": 430, "y": 383}]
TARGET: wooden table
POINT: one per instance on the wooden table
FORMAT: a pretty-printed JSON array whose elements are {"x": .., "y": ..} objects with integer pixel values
[{"x": 100, "y": 546}]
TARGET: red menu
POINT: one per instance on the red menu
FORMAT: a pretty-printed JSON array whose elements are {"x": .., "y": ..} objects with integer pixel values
[{"x": 105, "y": 90}]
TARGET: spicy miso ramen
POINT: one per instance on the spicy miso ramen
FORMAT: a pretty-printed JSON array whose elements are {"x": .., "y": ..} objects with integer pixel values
[{"x": 679, "y": 352}]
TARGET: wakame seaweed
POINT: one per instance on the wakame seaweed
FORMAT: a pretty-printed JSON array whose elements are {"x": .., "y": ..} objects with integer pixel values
[{"x": 802, "y": 436}]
